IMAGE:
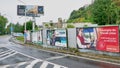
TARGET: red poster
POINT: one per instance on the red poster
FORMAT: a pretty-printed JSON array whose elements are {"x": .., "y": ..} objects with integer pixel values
[{"x": 108, "y": 38}]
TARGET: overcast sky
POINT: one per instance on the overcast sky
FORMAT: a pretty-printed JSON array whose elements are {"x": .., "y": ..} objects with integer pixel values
[{"x": 53, "y": 9}]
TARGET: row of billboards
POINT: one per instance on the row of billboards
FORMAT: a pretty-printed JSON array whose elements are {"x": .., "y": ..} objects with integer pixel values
[
  {"x": 104, "y": 38},
  {"x": 30, "y": 10}
]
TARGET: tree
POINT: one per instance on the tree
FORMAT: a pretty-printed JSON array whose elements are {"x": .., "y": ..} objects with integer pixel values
[
  {"x": 81, "y": 15},
  {"x": 104, "y": 12},
  {"x": 3, "y": 22},
  {"x": 17, "y": 27},
  {"x": 29, "y": 25},
  {"x": 70, "y": 26}
]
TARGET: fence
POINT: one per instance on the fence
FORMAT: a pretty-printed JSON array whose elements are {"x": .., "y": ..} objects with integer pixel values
[{"x": 95, "y": 39}]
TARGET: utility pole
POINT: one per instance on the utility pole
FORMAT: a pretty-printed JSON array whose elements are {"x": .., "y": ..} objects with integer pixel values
[{"x": 33, "y": 24}]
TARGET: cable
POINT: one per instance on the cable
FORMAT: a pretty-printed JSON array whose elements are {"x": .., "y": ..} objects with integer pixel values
[{"x": 21, "y": 1}]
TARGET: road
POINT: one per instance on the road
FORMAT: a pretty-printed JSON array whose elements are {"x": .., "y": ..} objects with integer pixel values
[{"x": 18, "y": 56}]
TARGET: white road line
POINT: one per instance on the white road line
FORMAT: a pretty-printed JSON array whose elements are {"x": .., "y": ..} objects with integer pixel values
[
  {"x": 33, "y": 63},
  {"x": 58, "y": 57},
  {"x": 4, "y": 51},
  {"x": 57, "y": 65},
  {"x": 16, "y": 65},
  {"x": 6, "y": 66},
  {"x": 24, "y": 54},
  {"x": 7, "y": 56},
  {"x": 44, "y": 64},
  {"x": 7, "y": 53},
  {"x": 20, "y": 64}
]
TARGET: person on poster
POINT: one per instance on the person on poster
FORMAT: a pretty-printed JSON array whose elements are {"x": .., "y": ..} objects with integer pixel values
[
  {"x": 81, "y": 41},
  {"x": 53, "y": 38},
  {"x": 25, "y": 36}
]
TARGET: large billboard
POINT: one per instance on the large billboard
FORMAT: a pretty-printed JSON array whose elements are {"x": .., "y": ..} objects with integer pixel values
[
  {"x": 86, "y": 38},
  {"x": 57, "y": 37},
  {"x": 104, "y": 38},
  {"x": 30, "y": 10},
  {"x": 108, "y": 38}
]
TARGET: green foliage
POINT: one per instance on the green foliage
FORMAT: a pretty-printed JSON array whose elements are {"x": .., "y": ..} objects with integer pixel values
[
  {"x": 81, "y": 15},
  {"x": 3, "y": 22},
  {"x": 104, "y": 12},
  {"x": 20, "y": 38},
  {"x": 100, "y": 12},
  {"x": 29, "y": 25},
  {"x": 18, "y": 28},
  {"x": 70, "y": 26}
]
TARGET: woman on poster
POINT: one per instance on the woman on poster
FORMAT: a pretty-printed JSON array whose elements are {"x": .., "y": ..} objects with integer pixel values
[{"x": 81, "y": 41}]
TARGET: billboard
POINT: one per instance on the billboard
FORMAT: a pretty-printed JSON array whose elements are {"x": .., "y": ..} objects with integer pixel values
[
  {"x": 108, "y": 38},
  {"x": 37, "y": 37},
  {"x": 30, "y": 10},
  {"x": 104, "y": 38},
  {"x": 40, "y": 38},
  {"x": 86, "y": 38},
  {"x": 57, "y": 37},
  {"x": 34, "y": 37},
  {"x": 28, "y": 36}
]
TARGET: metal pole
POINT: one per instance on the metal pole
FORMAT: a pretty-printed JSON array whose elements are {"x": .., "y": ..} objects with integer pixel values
[
  {"x": 25, "y": 19},
  {"x": 33, "y": 24}
]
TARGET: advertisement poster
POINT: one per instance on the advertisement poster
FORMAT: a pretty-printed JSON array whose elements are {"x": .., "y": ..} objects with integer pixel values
[
  {"x": 86, "y": 38},
  {"x": 30, "y": 10},
  {"x": 28, "y": 35},
  {"x": 34, "y": 37},
  {"x": 108, "y": 38},
  {"x": 57, "y": 38},
  {"x": 39, "y": 36}
]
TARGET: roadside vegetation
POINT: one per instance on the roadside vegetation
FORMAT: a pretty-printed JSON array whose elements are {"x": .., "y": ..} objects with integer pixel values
[
  {"x": 20, "y": 38},
  {"x": 101, "y": 12}
]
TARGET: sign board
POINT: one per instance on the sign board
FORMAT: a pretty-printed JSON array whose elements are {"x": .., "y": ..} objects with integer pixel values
[
  {"x": 108, "y": 38},
  {"x": 105, "y": 38},
  {"x": 30, "y": 10},
  {"x": 57, "y": 37}
]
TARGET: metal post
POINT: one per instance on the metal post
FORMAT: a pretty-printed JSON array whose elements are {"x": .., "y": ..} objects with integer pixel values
[
  {"x": 33, "y": 24},
  {"x": 25, "y": 19}
]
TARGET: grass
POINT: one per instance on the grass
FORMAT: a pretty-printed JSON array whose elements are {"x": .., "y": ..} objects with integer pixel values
[{"x": 20, "y": 38}]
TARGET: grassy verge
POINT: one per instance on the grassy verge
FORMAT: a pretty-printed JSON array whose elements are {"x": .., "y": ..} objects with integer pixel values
[
  {"x": 20, "y": 38},
  {"x": 74, "y": 51}
]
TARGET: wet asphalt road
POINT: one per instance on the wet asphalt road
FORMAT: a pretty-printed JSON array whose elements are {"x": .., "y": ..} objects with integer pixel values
[{"x": 18, "y": 56}]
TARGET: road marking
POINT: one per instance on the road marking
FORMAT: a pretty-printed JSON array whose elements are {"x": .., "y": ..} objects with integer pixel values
[
  {"x": 24, "y": 54},
  {"x": 8, "y": 56},
  {"x": 20, "y": 64},
  {"x": 57, "y": 66},
  {"x": 8, "y": 53},
  {"x": 44, "y": 64},
  {"x": 33, "y": 63},
  {"x": 53, "y": 58},
  {"x": 4, "y": 51},
  {"x": 5, "y": 66},
  {"x": 16, "y": 65}
]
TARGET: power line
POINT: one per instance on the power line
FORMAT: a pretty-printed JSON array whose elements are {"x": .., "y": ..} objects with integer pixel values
[{"x": 21, "y": 1}]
